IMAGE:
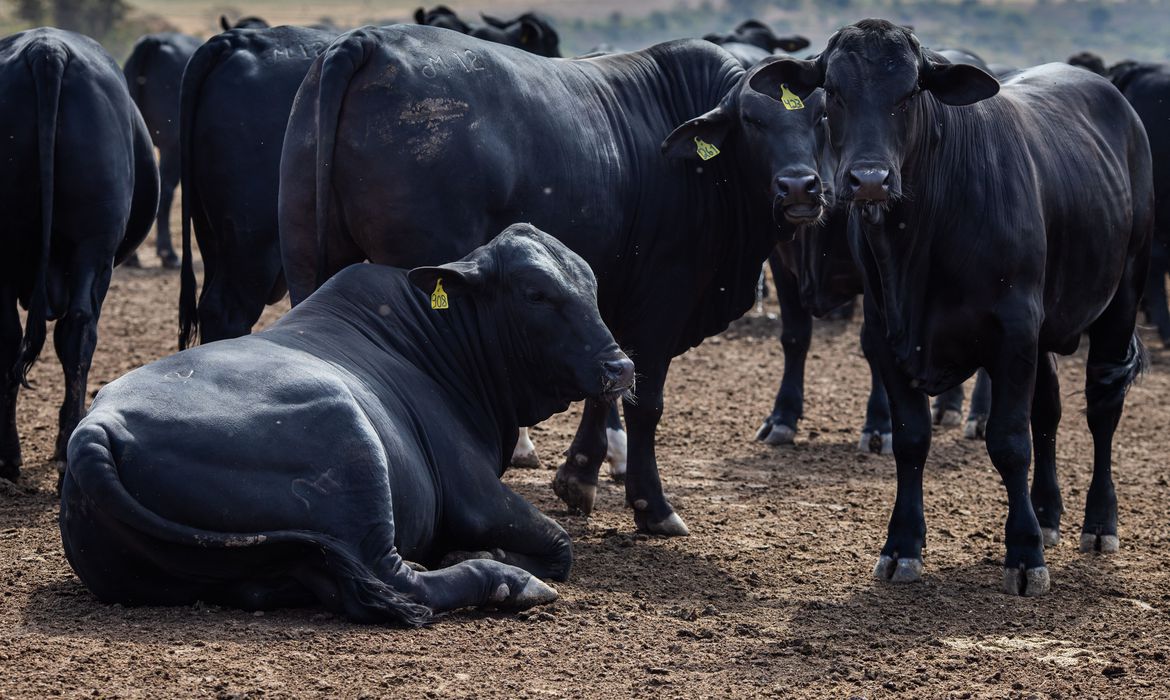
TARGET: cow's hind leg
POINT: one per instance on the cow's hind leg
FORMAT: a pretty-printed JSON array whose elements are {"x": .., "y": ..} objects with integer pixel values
[
  {"x": 976, "y": 428},
  {"x": 1046, "y": 411},
  {"x": 75, "y": 339},
  {"x": 947, "y": 409},
  {"x": 779, "y": 427},
  {"x": 576, "y": 479},
  {"x": 10, "y": 337},
  {"x": 169, "y": 173},
  {"x": 877, "y": 433},
  {"x": 504, "y": 527},
  {"x": 1154, "y": 299}
]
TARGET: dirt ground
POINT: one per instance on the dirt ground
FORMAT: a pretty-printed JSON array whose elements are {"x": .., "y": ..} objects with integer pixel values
[{"x": 770, "y": 596}]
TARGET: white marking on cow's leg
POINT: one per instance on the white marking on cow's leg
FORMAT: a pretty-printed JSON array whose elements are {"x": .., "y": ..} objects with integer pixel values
[
  {"x": 615, "y": 453},
  {"x": 1051, "y": 536},
  {"x": 1030, "y": 582},
  {"x": 1105, "y": 544},
  {"x": 524, "y": 455}
]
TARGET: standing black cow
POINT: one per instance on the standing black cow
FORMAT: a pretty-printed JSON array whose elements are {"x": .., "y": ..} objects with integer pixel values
[
  {"x": 388, "y": 403},
  {"x": 78, "y": 192},
  {"x": 993, "y": 229},
  {"x": 755, "y": 33},
  {"x": 236, "y": 97},
  {"x": 1147, "y": 87},
  {"x": 574, "y": 146},
  {"x": 154, "y": 72},
  {"x": 528, "y": 31}
]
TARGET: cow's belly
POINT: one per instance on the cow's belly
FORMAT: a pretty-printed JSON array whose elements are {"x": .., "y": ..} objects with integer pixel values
[{"x": 258, "y": 440}]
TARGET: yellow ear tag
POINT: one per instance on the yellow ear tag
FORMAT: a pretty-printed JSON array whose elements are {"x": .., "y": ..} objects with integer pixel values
[
  {"x": 705, "y": 150},
  {"x": 789, "y": 99},
  {"x": 439, "y": 296}
]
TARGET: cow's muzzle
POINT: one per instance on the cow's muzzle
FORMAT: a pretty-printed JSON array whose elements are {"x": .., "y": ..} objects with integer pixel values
[
  {"x": 617, "y": 377},
  {"x": 869, "y": 184}
]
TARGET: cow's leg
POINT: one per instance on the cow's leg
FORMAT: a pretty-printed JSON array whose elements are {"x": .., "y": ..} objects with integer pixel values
[
  {"x": 616, "y": 443},
  {"x": 1009, "y": 446},
  {"x": 75, "y": 339},
  {"x": 10, "y": 337},
  {"x": 502, "y": 526},
  {"x": 1116, "y": 357},
  {"x": 1154, "y": 301},
  {"x": 877, "y": 433},
  {"x": 169, "y": 174},
  {"x": 576, "y": 479},
  {"x": 947, "y": 408},
  {"x": 779, "y": 428},
  {"x": 1046, "y": 499},
  {"x": 901, "y": 556},
  {"x": 976, "y": 428},
  {"x": 524, "y": 453},
  {"x": 652, "y": 512},
  {"x": 844, "y": 312}
]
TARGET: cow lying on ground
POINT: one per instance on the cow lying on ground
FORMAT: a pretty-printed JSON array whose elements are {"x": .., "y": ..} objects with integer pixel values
[
  {"x": 154, "y": 72},
  {"x": 78, "y": 192},
  {"x": 529, "y": 31},
  {"x": 993, "y": 227},
  {"x": 367, "y": 428},
  {"x": 676, "y": 242},
  {"x": 1147, "y": 87}
]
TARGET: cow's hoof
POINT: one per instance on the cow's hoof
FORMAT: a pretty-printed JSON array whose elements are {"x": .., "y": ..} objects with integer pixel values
[
  {"x": 528, "y": 460},
  {"x": 615, "y": 453},
  {"x": 535, "y": 592},
  {"x": 670, "y": 526},
  {"x": 132, "y": 261},
  {"x": 976, "y": 428},
  {"x": 1105, "y": 544},
  {"x": 1030, "y": 582},
  {"x": 950, "y": 418},
  {"x": 1051, "y": 536},
  {"x": 776, "y": 434},
  {"x": 876, "y": 442},
  {"x": 898, "y": 570},
  {"x": 576, "y": 494},
  {"x": 169, "y": 260},
  {"x": 10, "y": 469}
]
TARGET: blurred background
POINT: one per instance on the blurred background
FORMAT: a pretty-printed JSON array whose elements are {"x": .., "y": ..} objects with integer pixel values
[{"x": 1018, "y": 32}]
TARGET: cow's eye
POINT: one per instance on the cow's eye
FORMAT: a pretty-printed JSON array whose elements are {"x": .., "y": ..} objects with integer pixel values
[{"x": 752, "y": 121}]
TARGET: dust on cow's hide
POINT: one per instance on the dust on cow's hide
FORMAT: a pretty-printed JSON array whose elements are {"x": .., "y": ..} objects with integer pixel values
[{"x": 434, "y": 114}]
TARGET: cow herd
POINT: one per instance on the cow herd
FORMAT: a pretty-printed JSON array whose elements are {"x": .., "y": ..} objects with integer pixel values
[{"x": 351, "y": 454}]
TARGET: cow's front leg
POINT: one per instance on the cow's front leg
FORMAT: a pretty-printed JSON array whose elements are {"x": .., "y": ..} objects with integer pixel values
[
  {"x": 10, "y": 337},
  {"x": 1010, "y": 447},
  {"x": 504, "y": 527},
  {"x": 947, "y": 408},
  {"x": 1046, "y": 500},
  {"x": 877, "y": 432},
  {"x": 576, "y": 479},
  {"x": 976, "y": 428},
  {"x": 779, "y": 427},
  {"x": 524, "y": 454},
  {"x": 652, "y": 512}
]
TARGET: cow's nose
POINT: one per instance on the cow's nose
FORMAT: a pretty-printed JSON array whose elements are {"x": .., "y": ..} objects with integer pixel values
[
  {"x": 618, "y": 373},
  {"x": 798, "y": 188},
  {"x": 869, "y": 184}
]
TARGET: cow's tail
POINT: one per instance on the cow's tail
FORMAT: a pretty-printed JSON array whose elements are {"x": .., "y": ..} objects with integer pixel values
[
  {"x": 339, "y": 63},
  {"x": 1108, "y": 383},
  {"x": 364, "y": 596},
  {"x": 47, "y": 63},
  {"x": 135, "y": 68},
  {"x": 202, "y": 62}
]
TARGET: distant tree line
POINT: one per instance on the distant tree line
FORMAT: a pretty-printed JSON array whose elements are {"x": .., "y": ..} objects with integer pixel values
[{"x": 96, "y": 18}]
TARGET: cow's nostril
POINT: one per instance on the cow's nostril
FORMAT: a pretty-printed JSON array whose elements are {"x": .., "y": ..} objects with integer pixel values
[{"x": 619, "y": 372}]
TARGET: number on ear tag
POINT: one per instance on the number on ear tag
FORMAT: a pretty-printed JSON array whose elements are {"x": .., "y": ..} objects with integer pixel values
[
  {"x": 789, "y": 99},
  {"x": 705, "y": 150},
  {"x": 439, "y": 296}
]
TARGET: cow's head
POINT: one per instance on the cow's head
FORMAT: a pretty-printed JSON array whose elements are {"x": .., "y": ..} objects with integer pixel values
[
  {"x": 775, "y": 129},
  {"x": 543, "y": 298},
  {"x": 758, "y": 34},
  {"x": 1089, "y": 61},
  {"x": 875, "y": 75},
  {"x": 528, "y": 31}
]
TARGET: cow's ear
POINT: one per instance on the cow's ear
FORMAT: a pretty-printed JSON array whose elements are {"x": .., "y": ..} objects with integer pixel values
[
  {"x": 420, "y": 16},
  {"x": 701, "y": 137},
  {"x": 457, "y": 277},
  {"x": 788, "y": 44},
  {"x": 531, "y": 33},
  {"x": 958, "y": 84},
  {"x": 223, "y": 22},
  {"x": 800, "y": 77}
]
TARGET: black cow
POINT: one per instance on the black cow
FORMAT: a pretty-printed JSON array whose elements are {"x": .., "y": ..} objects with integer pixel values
[
  {"x": 993, "y": 229},
  {"x": 154, "y": 72},
  {"x": 388, "y": 403},
  {"x": 574, "y": 146},
  {"x": 78, "y": 192},
  {"x": 528, "y": 31},
  {"x": 236, "y": 97},
  {"x": 249, "y": 22},
  {"x": 755, "y": 33},
  {"x": 1147, "y": 87}
]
